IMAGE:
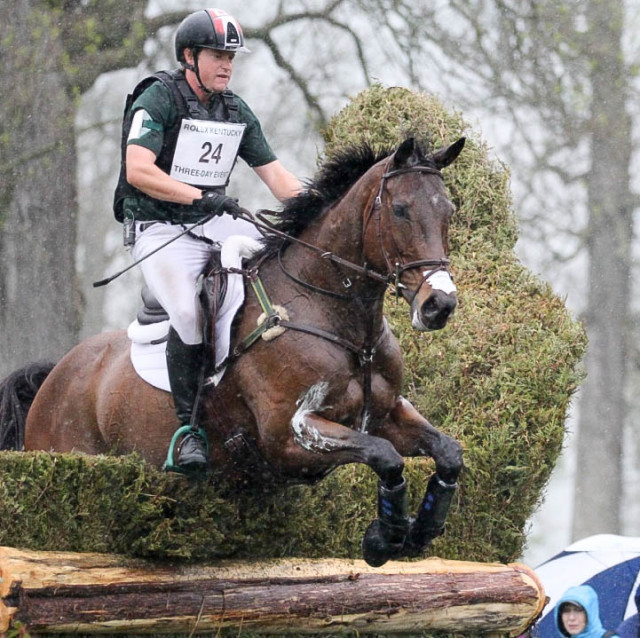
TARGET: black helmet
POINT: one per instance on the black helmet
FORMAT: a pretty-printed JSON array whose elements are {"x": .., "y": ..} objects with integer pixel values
[{"x": 210, "y": 29}]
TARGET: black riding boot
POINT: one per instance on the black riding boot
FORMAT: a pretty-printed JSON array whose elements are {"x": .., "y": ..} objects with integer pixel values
[
  {"x": 429, "y": 523},
  {"x": 384, "y": 538},
  {"x": 184, "y": 364}
]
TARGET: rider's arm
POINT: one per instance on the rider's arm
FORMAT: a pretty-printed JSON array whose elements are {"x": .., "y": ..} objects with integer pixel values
[
  {"x": 280, "y": 181},
  {"x": 143, "y": 173}
]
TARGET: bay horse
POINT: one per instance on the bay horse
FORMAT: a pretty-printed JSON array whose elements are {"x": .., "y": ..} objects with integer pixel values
[{"x": 324, "y": 393}]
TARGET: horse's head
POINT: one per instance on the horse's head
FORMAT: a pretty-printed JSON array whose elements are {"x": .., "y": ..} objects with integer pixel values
[{"x": 409, "y": 225}]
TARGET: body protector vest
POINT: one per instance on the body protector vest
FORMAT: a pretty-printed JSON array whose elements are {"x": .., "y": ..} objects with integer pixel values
[{"x": 200, "y": 148}]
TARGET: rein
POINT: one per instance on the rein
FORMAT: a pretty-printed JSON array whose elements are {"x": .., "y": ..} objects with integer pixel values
[
  {"x": 394, "y": 272},
  {"x": 366, "y": 352}
]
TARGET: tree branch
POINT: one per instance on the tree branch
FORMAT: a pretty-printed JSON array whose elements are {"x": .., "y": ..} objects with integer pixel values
[{"x": 299, "y": 81}]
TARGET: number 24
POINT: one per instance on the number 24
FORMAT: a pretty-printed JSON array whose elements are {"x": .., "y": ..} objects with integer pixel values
[{"x": 210, "y": 153}]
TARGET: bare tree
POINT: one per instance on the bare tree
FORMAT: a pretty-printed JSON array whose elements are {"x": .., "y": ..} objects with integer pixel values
[
  {"x": 51, "y": 53},
  {"x": 301, "y": 75},
  {"x": 609, "y": 234},
  {"x": 38, "y": 304}
]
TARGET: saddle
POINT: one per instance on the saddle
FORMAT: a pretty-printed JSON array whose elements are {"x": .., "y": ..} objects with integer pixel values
[
  {"x": 213, "y": 284},
  {"x": 221, "y": 295},
  {"x": 213, "y": 288}
]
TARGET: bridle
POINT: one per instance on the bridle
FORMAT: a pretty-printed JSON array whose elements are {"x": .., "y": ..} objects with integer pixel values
[
  {"x": 367, "y": 350},
  {"x": 395, "y": 268}
]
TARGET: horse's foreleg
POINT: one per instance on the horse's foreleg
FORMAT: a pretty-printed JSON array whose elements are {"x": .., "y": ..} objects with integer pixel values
[
  {"x": 412, "y": 435},
  {"x": 318, "y": 441}
]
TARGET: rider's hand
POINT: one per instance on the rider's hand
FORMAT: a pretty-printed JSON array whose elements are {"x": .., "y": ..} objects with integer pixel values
[{"x": 213, "y": 203}]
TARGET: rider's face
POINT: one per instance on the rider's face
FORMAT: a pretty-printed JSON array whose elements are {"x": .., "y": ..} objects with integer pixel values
[{"x": 215, "y": 68}]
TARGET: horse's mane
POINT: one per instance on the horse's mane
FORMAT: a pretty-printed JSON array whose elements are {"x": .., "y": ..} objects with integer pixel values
[{"x": 334, "y": 178}]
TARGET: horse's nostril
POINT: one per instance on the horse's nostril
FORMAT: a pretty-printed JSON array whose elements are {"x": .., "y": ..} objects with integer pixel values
[
  {"x": 430, "y": 306},
  {"x": 439, "y": 306}
]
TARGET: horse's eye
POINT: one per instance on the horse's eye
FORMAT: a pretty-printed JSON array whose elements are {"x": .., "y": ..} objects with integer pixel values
[{"x": 400, "y": 210}]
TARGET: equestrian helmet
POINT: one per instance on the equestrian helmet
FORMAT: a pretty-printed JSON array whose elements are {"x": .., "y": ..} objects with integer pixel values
[{"x": 209, "y": 29}]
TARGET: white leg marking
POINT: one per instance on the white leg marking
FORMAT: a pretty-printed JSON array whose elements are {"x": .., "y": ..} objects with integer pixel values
[{"x": 305, "y": 435}]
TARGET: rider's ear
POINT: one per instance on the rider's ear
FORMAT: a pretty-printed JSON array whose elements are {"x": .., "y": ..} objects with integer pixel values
[
  {"x": 446, "y": 156},
  {"x": 405, "y": 154}
]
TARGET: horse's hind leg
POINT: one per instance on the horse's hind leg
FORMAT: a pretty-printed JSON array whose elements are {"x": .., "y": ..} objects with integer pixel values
[{"x": 412, "y": 435}]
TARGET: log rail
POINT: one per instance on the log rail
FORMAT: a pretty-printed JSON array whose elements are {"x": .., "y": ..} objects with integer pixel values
[{"x": 63, "y": 592}]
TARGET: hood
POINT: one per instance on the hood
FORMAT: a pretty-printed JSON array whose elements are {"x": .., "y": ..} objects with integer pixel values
[{"x": 586, "y": 597}]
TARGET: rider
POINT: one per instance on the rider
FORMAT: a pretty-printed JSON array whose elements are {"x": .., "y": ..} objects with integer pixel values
[{"x": 186, "y": 130}]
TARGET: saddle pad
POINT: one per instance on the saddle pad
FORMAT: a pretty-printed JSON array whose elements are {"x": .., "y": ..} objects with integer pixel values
[
  {"x": 149, "y": 359},
  {"x": 150, "y": 362}
]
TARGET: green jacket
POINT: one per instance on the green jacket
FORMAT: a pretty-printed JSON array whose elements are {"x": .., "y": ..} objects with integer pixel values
[{"x": 158, "y": 98}]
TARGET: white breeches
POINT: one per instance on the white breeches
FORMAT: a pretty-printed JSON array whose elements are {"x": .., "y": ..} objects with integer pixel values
[{"x": 172, "y": 272}]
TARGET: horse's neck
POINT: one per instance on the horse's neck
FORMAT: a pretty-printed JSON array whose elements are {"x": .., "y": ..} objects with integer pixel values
[
  {"x": 339, "y": 229},
  {"x": 339, "y": 232}
]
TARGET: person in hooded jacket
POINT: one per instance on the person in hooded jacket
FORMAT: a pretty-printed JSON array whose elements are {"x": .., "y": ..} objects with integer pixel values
[
  {"x": 630, "y": 628},
  {"x": 577, "y": 614}
]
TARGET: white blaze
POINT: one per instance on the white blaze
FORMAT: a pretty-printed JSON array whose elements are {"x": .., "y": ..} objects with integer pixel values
[{"x": 440, "y": 280}]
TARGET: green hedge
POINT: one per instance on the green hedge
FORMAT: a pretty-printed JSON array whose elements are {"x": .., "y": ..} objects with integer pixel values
[{"x": 499, "y": 378}]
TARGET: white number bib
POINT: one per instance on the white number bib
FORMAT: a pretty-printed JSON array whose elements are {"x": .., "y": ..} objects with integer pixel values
[{"x": 205, "y": 152}]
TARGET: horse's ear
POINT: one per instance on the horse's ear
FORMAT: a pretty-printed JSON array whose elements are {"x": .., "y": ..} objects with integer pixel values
[
  {"x": 446, "y": 156},
  {"x": 405, "y": 154}
]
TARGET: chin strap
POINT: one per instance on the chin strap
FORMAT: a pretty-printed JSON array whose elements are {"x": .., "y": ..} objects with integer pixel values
[{"x": 195, "y": 68}]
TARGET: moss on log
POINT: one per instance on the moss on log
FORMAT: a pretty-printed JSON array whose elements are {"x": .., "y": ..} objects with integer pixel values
[{"x": 499, "y": 378}]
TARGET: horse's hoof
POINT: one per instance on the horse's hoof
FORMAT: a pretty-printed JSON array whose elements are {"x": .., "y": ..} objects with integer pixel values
[
  {"x": 419, "y": 539},
  {"x": 376, "y": 550}
]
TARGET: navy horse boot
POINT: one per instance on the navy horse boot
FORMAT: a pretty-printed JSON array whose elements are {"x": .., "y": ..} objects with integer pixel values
[
  {"x": 431, "y": 517},
  {"x": 385, "y": 537}
]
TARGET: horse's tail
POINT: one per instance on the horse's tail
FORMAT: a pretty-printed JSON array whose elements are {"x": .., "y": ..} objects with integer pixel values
[{"x": 17, "y": 392}]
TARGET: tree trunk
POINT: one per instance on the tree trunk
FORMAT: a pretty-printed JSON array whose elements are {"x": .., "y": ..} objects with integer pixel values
[
  {"x": 602, "y": 406},
  {"x": 94, "y": 593},
  {"x": 39, "y": 305}
]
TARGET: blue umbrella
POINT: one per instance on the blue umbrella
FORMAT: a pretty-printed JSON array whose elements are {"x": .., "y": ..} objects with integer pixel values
[{"x": 609, "y": 563}]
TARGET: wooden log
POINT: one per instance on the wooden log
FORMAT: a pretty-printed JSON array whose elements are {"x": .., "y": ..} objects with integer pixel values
[{"x": 53, "y": 592}]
